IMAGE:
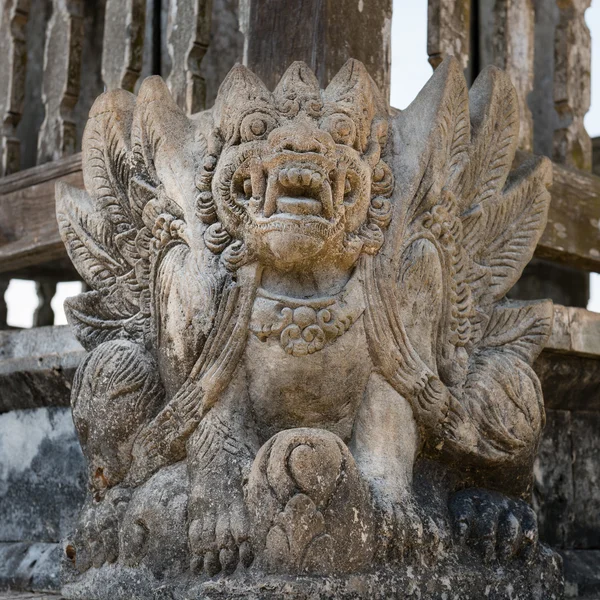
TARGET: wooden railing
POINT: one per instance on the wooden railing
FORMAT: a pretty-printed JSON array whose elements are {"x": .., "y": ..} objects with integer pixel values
[
  {"x": 54, "y": 63},
  {"x": 91, "y": 46}
]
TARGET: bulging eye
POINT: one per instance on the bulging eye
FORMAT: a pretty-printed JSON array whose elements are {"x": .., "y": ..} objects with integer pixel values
[
  {"x": 256, "y": 126},
  {"x": 341, "y": 128}
]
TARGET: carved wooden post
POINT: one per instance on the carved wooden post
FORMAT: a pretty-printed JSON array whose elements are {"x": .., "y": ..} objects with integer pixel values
[
  {"x": 572, "y": 52},
  {"x": 13, "y": 50},
  {"x": 448, "y": 30},
  {"x": 188, "y": 34},
  {"x": 506, "y": 39},
  {"x": 43, "y": 314},
  {"x": 61, "y": 85},
  {"x": 322, "y": 33},
  {"x": 122, "y": 54}
]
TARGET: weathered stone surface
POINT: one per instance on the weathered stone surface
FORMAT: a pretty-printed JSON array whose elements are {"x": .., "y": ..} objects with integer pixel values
[
  {"x": 553, "y": 485},
  {"x": 31, "y": 567},
  {"x": 42, "y": 475},
  {"x": 37, "y": 367},
  {"x": 297, "y": 306},
  {"x": 582, "y": 574}
]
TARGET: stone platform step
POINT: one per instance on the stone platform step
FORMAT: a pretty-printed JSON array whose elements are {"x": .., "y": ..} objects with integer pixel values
[{"x": 27, "y": 596}]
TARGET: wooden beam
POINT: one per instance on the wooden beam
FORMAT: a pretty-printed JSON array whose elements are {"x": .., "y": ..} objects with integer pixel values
[
  {"x": 572, "y": 236},
  {"x": 29, "y": 234},
  {"x": 322, "y": 33},
  {"x": 28, "y": 230}
]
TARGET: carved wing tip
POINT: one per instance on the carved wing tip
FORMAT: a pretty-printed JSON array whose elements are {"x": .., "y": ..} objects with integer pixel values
[{"x": 112, "y": 101}]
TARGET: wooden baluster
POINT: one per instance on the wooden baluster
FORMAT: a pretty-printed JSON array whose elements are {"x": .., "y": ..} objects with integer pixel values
[
  {"x": 61, "y": 85},
  {"x": 123, "y": 49},
  {"x": 448, "y": 30},
  {"x": 188, "y": 35},
  {"x": 506, "y": 40},
  {"x": 4, "y": 283},
  {"x": 572, "y": 84},
  {"x": 13, "y": 50},
  {"x": 43, "y": 314}
]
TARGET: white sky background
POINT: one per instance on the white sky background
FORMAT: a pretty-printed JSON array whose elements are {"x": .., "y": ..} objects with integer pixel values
[{"x": 410, "y": 71}]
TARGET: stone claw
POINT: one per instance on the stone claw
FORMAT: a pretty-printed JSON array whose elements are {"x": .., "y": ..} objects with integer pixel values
[{"x": 498, "y": 527}]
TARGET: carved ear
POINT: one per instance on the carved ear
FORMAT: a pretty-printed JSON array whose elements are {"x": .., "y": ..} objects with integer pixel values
[
  {"x": 353, "y": 91},
  {"x": 240, "y": 88},
  {"x": 495, "y": 120},
  {"x": 165, "y": 144}
]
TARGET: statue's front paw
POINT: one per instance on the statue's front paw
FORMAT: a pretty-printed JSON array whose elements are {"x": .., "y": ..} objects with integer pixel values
[
  {"x": 219, "y": 535},
  {"x": 499, "y": 527}
]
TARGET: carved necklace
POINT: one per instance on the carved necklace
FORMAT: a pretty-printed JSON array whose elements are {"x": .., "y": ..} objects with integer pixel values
[{"x": 305, "y": 326}]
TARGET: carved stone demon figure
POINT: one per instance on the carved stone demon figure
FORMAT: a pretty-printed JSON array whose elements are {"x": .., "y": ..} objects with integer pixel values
[{"x": 302, "y": 361}]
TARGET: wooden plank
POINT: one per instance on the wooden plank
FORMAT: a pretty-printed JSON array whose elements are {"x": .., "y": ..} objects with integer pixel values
[
  {"x": 448, "y": 30},
  {"x": 123, "y": 48},
  {"x": 506, "y": 40},
  {"x": 13, "y": 49},
  {"x": 28, "y": 229},
  {"x": 572, "y": 236},
  {"x": 61, "y": 85},
  {"x": 322, "y": 33},
  {"x": 188, "y": 34},
  {"x": 572, "y": 84}
]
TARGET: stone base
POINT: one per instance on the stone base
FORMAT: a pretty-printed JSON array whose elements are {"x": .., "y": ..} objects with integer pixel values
[{"x": 541, "y": 580}]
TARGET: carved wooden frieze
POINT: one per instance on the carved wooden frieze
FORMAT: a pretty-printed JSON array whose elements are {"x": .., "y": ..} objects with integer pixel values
[{"x": 301, "y": 358}]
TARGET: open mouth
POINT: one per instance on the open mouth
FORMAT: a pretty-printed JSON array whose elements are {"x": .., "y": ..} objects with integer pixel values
[
  {"x": 289, "y": 187},
  {"x": 298, "y": 191}
]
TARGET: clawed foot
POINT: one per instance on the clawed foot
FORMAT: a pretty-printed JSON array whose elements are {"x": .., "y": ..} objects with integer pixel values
[
  {"x": 219, "y": 537},
  {"x": 499, "y": 527},
  {"x": 96, "y": 539}
]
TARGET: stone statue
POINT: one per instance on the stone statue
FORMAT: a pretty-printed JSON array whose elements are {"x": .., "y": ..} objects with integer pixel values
[{"x": 303, "y": 374}]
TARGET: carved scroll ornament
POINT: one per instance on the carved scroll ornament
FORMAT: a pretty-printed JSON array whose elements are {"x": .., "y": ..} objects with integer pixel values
[{"x": 298, "y": 313}]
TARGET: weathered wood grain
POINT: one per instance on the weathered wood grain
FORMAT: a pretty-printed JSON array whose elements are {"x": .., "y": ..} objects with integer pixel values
[
  {"x": 188, "y": 35},
  {"x": 123, "y": 48},
  {"x": 322, "y": 33},
  {"x": 572, "y": 236},
  {"x": 61, "y": 84},
  {"x": 448, "y": 30},
  {"x": 506, "y": 40},
  {"x": 572, "y": 84},
  {"x": 13, "y": 49}
]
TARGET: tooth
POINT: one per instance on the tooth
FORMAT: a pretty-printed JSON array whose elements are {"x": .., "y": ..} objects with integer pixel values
[
  {"x": 347, "y": 187},
  {"x": 248, "y": 187},
  {"x": 338, "y": 185},
  {"x": 294, "y": 175},
  {"x": 284, "y": 177},
  {"x": 327, "y": 200},
  {"x": 316, "y": 180},
  {"x": 271, "y": 196},
  {"x": 305, "y": 175},
  {"x": 257, "y": 177}
]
